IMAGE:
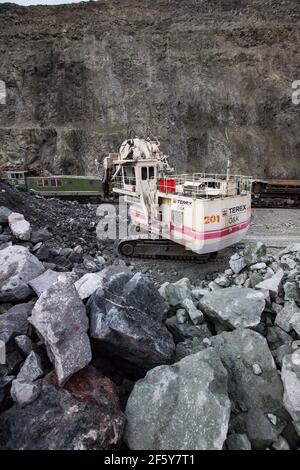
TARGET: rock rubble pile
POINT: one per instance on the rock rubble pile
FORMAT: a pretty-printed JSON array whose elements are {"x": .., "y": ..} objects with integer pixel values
[{"x": 102, "y": 359}]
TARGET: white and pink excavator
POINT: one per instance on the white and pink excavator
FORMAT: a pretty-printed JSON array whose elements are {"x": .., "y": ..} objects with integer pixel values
[{"x": 187, "y": 215}]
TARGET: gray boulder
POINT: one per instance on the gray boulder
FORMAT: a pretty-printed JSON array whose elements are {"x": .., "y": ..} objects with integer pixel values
[
  {"x": 41, "y": 283},
  {"x": 24, "y": 344},
  {"x": 195, "y": 314},
  {"x": 290, "y": 375},
  {"x": 281, "y": 444},
  {"x": 291, "y": 291},
  {"x": 40, "y": 235},
  {"x": 17, "y": 267},
  {"x": 293, "y": 248},
  {"x": 184, "y": 406},
  {"x": 238, "y": 442},
  {"x": 175, "y": 293},
  {"x": 14, "y": 322},
  {"x": 272, "y": 284},
  {"x": 60, "y": 318},
  {"x": 254, "y": 253},
  {"x": 234, "y": 307},
  {"x": 188, "y": 347},
  {"x": 88, "y": 284},
  {"x": 32, "y": 368},
  {"x": 257, "y": 399},
  {"x": 183, "y": 331},
  {"x": 4, "y": 213},
  {"x": 19, "y": 227},
  {"x": 237, "y": 263},
  {"x": 276, "y": 337},
  {"x": 126, "y": 320},
  {"x": 283, "y": 318},
  {"x": 23, "y": 393}
]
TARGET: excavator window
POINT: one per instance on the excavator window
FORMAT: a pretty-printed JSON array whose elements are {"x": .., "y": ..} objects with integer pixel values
[
  {"x": 151, "y": 172},
  {"x": 129, "y": 175},
  {"x": 144, "y": 173}
]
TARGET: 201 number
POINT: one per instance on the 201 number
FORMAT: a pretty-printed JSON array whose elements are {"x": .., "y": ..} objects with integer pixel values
[{"x": 211, "y": 219}]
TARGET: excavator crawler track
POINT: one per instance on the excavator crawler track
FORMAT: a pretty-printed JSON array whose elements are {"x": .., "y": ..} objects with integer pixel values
[{"x": 160, "y": 249}]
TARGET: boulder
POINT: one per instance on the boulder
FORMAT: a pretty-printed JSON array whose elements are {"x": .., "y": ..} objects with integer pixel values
[
  {"x": 290, "y": 375},
  {"x": 24, "y": 344},
  {"x": 126, "y": 320},
  {"x": 238, "y": 442},
  {"x": 60, "y": 318},
  {"x": 234, "y": 307},
  {"x": 4, "y": 214},
  {"x": 175, "y": 293},
  {"x": 257, "y": 399},
  {"x": 19, "y": 226},
  {"x": 5, "y": 396},
  {"x": 41, "y": 235},
  {"x": 283, "y": 318},
  {"x": 254, "y": 253},
  {"x": 14, "y": 322},
  {"x": 276, "y": 337},
  {"x": 41, "y": 283},
  {"x": 272, "y": 284},
  {"x": 183, "y": 331},
  {"x": 88, "y": 284},
  {"x": 281, "y": 444},
  {"x": 32, "y": 369},
  {"x": 291, "y": 291},
  {"x": 23, "y": 393},
  {"x": 195, "y": 315},
  {"x": 295, "y": 322},
  {"x": 237, "y": 263},
  {"x": 17, "y": 267},
  {"x": 84, "y": 415},
  {"x": 188, "y": 347},
  {"x": 294, "y": 247},
  {"x": 184, "y": 406},
  {"x": 258, "y": 266}
]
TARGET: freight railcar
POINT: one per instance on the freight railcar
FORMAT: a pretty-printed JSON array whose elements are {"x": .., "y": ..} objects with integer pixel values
[{"x": 63, "y": 186}]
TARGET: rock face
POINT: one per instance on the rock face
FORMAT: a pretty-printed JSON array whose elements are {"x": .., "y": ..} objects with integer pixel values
[
  {"x": 86, "y": 415},
  {"x": 234, "y": 307},
  {"x": 19, "y": 226},
  {"x": 132, "y": 48},
  {"x": 184, "y": 406},
  {"x": 60, "y": 318},
  {"x": 257, "y": 399},
  {"x": 17, "y": 267},
  {"x": 126, "y": 320}
]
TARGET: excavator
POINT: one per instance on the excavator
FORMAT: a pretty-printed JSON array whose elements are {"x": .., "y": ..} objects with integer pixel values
[{"x": 182, "y": 216}]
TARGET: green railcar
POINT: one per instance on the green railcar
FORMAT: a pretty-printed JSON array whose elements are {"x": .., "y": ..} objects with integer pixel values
[
  {"x": 54, "y": 185},
  {"x": 65, "y": 185}
]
